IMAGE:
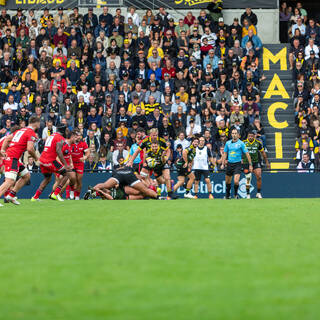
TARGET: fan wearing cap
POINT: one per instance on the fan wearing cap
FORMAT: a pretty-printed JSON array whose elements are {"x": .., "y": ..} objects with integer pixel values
[
  {"x": 156, "y": 27},
  {"x": 18, "y": 18},
  {"x": 61, "y": 17}
]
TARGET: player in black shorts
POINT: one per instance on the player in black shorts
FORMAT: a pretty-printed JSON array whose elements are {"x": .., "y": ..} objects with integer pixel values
[
  {"x": 184, "y": 166},
  {"x": 121, "y": 177}
]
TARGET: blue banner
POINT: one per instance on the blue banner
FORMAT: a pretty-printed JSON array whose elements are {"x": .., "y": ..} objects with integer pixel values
[{"x": 274, "y": 185}]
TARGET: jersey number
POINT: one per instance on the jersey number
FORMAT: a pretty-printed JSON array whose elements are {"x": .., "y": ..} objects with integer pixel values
[
  {"x": 17, "y": 136},
  {"x": 49, "y": 141}
]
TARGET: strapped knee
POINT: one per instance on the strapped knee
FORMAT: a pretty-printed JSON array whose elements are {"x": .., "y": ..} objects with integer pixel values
[{"x": 249, "y": 177}]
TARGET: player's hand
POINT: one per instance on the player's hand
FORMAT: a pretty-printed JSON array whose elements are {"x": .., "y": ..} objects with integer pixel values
[
  {"x": 129, "y": 163},
  {"x": 222, "y": 167},
  {"x": 268, "y": 166},
  {"x": 185, "y": 165},
  {"x": 3, "y": 153},
  {"x": 250, "y": 168}
]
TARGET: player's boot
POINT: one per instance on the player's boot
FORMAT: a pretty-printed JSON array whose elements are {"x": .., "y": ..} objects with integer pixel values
[
  {"x": 258, "y": 195},
  {"x": 12, "y": 200},
  {"x": 195, "y": 197},
  {"x": 34, "y": 199},
  {"x": 158, "y": 191},
  {"x": 71, "y": 195},
  {"x": 87, "y": 195},
  {"x": 188, "y": 195},
  {"x": 56, "y": 197},
  {"x": 236, "y": 196},
  {"x": 210, "y": 196},
  {"x": 77, "y": 198},
  {"x": 248, "y": 196},
  {"x": 1, "y": 205}
]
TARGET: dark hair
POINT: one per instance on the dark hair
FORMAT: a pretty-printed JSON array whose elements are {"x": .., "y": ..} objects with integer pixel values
[{"x": 34, "y": 119}]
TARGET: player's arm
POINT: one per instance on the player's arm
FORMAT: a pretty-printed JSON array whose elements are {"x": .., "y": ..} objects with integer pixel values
[
  {"x": 105, "y": 194},
  {"x": 249, "y": 160},
  {"x": 5, "y": 144},
  {"x": 264, "y": 155},
  {"x": 60, "y": 154},
  {"x": 223, "y": 159},
  {"x": 31, "y": 150},
  {"x": 185, "y": 157},
  {"x": 131, "y": 159},
  {"x": 86, "y": 155}
]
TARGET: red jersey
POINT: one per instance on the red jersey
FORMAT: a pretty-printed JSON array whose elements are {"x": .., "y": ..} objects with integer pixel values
[
  {"x": 66, "y": 151},
  {"x": 49, "y": 153},
  {"x": 77, "y": 150},
  {"x": 19, "y": 142}
]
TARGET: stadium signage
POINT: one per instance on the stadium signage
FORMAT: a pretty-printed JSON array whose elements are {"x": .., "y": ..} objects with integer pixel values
[
  {"x": 176, "y": 4},
  {"x": 276, "y": 88}
]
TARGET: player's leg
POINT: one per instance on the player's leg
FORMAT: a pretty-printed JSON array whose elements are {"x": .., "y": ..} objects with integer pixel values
[
  {"x": 190, "y": 182},
  {"x": 209, "y": 187},
  {"x": 248, "y": 175},
  {"x": 257, "y": 172},
  {"x": 46, "y": 180},
  {"x": 138, "y": 185},
  {"x": 73, "y": 183},
  {"x": 11, "y": 173},
  {"x": 228, "y": 186},
  {"x": 24, "y": 179},
  {"x": 236, "y": 179},
  {"x": 167, "y": 178},
  {"x": 79, "y": 177},
  {"x": 180, "y": 182}
]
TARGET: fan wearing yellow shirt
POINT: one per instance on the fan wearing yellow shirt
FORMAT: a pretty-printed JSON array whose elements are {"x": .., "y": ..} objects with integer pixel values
[
  {"x": 155, "y": 45},
  {"x": 133, "y": 106}
]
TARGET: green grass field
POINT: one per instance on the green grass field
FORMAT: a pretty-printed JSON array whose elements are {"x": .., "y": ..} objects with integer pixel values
[{"x": 170, "y": 260}]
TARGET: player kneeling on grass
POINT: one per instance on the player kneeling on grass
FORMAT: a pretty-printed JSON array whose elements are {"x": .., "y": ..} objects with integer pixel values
[
  {"x": 201, "y": 166},
  {"x": 49, "y": 164},
  {"x": 115, "y": 187},
  {"x": 233, "y": 151},
  {"x": 254, "y": 148},
  {"x": 184, "y": 165}
]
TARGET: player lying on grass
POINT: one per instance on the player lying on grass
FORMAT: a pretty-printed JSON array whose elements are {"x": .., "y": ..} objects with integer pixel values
[
  {"x": 184, "y": 166},
  {"x": 122, "y": 177}
]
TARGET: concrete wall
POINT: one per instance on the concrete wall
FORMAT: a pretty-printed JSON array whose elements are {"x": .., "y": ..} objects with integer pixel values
[{"x": 268, "y": 19}]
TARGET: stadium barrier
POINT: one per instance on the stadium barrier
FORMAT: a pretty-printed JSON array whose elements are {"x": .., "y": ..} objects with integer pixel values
[{"x": 274, "y": 185}]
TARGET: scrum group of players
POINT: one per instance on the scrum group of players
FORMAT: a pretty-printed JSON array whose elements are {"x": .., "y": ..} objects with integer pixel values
[{"x": 64, "y": 155}]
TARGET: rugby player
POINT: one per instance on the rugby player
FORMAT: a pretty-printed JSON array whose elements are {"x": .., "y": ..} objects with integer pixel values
[
  {"x": 66, "y": 151},
  {"x": 184, "y": 166},
  {"x": 115, "y": 187},
  {"x": 255, "y": 148},
  {"x": 49, "y": 164},
  {"x": 233, "y": 151},
  {"x": 80, "y": 153},
  {"x": 201, "y": 166},
  {"x": 12, "y": 149},
  {"x": 145, "y": 145}
]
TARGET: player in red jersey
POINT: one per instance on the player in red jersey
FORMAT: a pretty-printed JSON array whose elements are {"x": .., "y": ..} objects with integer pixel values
[
  {"x": 49, "y": 164},
  {"x": 66, "y": 150},
  {"x": 80, "y": 153},
  {"x": 13, "y": 147}
]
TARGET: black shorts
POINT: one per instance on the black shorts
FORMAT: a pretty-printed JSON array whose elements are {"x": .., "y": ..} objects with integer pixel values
[
  {"x": 128, "y": 179},
  {"x": 255, "y": 165},
  {"x": 183, "y": 172},
  {"x": 157, "y": 171},
  {"x": 201, "y": 173},
  {"x": 233, "y": 168}
]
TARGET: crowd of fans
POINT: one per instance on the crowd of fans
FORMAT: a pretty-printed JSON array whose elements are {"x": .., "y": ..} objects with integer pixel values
[
  {"x": 304, "y": 38},
  {"x": 112, "y": 76}
]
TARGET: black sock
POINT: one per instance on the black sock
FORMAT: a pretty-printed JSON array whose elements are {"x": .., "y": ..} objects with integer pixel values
[
  {"x": 236, "y": 187},
  {"x": 248, "y": 189},
  {"x": 187, "y": 190},
  {"x": 259, "y": 190},
  {"x": 170, "y": 193},
  {"x": 228, "y": 189}
]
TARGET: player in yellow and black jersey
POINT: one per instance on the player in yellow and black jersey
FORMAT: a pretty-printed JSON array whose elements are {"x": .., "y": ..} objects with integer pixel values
[
  {"x": 255, "y": 149},
  {"x": 165, "y": 153}
]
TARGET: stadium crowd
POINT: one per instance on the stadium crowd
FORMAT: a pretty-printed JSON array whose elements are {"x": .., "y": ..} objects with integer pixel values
[
  {"x": 113, "y": 76},
  {"x": 304, "y": 39}
]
